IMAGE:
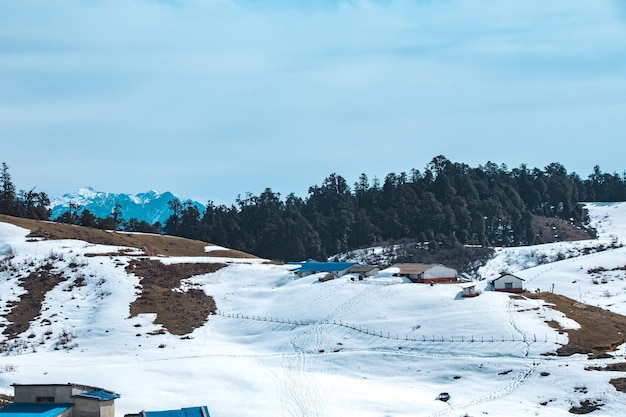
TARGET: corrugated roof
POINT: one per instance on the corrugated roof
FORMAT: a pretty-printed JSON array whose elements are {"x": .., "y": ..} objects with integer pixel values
[
  {"x": 509, "y": 275},
  {"x": 413, "y": 268},
  {"x": 100, "y": 395},
  {"x": 183, "y": 412},
  {"x": 34, "y": 409},
  {"x": 325, "y": 266}
]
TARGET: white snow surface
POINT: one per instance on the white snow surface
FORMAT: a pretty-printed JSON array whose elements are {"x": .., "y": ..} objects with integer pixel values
[{"x": 282, "y": 346}]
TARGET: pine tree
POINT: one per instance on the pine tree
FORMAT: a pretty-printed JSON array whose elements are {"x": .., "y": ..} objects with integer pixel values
[{"x": 8, "y": 199}]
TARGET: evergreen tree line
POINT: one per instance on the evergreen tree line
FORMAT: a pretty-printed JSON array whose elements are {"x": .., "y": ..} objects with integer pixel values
[
  {"x": 36, "y": 205},
  {"x": 447, "y": 204},
  {"x": 30, "y": 204}
]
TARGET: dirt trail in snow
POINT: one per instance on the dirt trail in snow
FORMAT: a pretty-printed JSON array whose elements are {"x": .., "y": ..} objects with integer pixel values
[
  {"x": 510, "y": 312},
  {"x": 294, "y": 375},
  {"x": 505, "y": 389},
  {"x": 298, "y": 389}
]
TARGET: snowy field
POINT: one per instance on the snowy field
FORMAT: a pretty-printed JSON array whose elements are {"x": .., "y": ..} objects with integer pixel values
[{"x": 282, "y": 346}]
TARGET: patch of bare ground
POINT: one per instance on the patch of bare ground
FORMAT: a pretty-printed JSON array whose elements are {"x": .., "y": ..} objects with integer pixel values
[
  {"x": 586, "y": 407},
  {"x": 600, "y": 330},
  {"x": 179, "y": 312},
  {"x": 612, "y": 367},
  {"x": 551, "y": 229},
  {"x": 150, "y": 244},
  {"x": 37, "y": 284},
  {"x": 619, "y": 384},
  {"x": 5, "y": 400}
]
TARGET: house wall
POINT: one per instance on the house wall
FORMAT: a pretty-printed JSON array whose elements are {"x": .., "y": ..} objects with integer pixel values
[
  {"x": 440, "y": 273},
  {"x": 437, "y": 273},
  {"x": 469, "y": 292},
  {"x": 33, "y": 393},
  {"x": 84, "y": 407},
  {"x": 517, "y": 284},
  {"x": 340, "y": 273},
  {"x": 336, "y": 274}
]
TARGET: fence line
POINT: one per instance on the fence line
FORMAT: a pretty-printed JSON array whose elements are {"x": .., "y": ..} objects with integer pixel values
[{"x": 406, "y": 337}]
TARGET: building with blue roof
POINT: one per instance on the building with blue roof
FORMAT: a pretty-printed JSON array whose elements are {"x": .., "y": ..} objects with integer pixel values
[
  {"x": 202, "y": 411},
  {"x": 60, "y": 400},
  {"x": 337, "y": 269},
  {"x": 36, "y": 410}
]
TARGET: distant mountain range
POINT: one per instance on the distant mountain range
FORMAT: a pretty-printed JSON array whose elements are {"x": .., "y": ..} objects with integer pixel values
[{"x": 150, "y": 206}]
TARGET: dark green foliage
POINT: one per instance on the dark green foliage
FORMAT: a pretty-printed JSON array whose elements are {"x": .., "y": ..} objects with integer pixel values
[
  {"x": 446, "y": 206},
  {"x": 23, "y": 204},
  {"x": 135, "y": 225}
]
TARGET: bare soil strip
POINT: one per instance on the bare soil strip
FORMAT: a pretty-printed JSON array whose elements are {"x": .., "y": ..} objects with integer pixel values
[
  {"x": 600, "y": 330},
  {"x": 152, "y": 245},
  {"x": 28, "y": 308},
  {"x": 179, "y": 312}
]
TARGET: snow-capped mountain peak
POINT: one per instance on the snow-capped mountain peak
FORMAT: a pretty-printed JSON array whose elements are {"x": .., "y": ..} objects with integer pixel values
[{"x": 151, "y": 206}]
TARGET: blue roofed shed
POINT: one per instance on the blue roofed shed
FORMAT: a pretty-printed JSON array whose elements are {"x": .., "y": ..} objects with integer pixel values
[
  {"x": 75, "y": 400},
  {"x": 202, "y": 411},
  {"x": 337, "y": 269},
  {"x": 100, "y": 395},
  {"x": 36, "y": 410}
]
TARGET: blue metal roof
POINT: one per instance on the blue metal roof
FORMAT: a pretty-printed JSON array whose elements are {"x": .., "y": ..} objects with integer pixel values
[
  {"x": 183, "y": 412},
  {"x": 100, "y": 395},
  {"x": 324, "y": 266},
  {"x": 34, "y": 409}
]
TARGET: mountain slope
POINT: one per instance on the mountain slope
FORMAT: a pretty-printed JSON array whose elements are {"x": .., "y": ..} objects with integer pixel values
[
  {"x": 278, "y": 345},
  {"x": 149, "y": 206}
]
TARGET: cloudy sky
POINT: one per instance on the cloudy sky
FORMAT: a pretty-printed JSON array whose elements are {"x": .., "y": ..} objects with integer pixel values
[{"x": 214, "y": 98}]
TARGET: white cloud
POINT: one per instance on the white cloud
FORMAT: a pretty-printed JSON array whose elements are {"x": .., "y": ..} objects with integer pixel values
[{"x": 240, "y": 86}]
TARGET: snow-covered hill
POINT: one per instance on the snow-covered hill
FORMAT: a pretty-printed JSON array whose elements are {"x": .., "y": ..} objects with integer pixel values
[
  {"x": 150, "y": 206},
  {"x": 282, "y": 346}
]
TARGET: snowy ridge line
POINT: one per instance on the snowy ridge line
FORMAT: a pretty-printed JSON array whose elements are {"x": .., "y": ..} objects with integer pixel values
[
  {"x": 540, "y": 270},
  {"x": 523, "y": 337}
]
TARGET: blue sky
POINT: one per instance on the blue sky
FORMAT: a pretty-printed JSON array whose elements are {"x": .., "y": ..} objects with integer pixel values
[{"x": 211, "y": 99}]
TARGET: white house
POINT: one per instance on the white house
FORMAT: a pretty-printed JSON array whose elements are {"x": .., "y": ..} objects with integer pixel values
[
  {"x": 508, "y": 283},
  {"x": 425, "y": 273}
]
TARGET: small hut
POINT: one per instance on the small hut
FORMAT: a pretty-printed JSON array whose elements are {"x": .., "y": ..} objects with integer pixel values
[
  {"x": 469, "y": 289},
  {"x": 508, "y": 283}
]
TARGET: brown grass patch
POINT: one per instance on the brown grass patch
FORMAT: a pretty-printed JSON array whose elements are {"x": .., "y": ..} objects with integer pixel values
[
  {"x": 612, "y": 367},
  {"x": 600, "y": 330},
  {"x": 37, "y": 284},
  {"x": 586, "y": 407},
  {"x": 619, "y": 384},
  {"x": 180, "y": 313},
  {"x": 548, "y": 227},
  {"x": 151, "y": 245}
]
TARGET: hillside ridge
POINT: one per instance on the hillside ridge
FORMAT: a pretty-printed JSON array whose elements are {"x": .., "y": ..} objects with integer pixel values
[{"x": 149, "y": 244}]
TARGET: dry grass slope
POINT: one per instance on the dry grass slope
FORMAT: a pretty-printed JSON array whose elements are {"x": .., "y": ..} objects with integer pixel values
[
  {"x": 152, "y": 245},
  {"x": 179, "y": 312},
  {"x": 600, "y": 330},
  {"x": 37, "y": 285}
]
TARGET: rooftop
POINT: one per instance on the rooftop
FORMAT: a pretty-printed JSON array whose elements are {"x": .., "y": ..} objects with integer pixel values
[
  {"x": 34, "y": 409},
  {"x": 324, "y": 266}
]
